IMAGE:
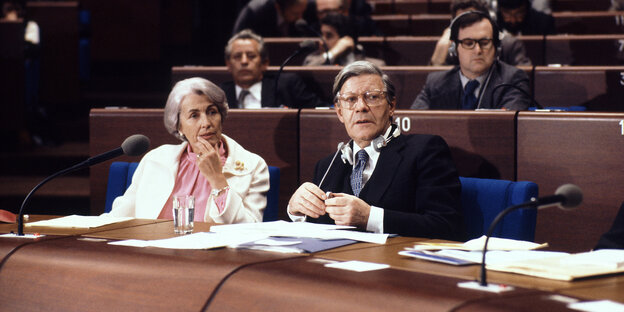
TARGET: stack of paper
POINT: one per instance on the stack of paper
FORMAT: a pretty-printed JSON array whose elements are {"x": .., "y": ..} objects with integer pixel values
[{"x": 80, "y": 222}]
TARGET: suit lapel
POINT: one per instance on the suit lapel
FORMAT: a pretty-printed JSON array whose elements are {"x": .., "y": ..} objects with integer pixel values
[
  {"x": 267, "y": 92},
  {"x": 387, "y": 165}
]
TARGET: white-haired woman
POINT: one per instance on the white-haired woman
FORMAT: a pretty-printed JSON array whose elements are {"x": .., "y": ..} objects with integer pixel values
[{"x": 229, "y": 183}]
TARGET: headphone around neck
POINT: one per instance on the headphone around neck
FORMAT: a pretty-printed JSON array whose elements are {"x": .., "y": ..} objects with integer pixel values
[
  {"x": 456, "y": 23},
  {"x": 378, "y": 143}
]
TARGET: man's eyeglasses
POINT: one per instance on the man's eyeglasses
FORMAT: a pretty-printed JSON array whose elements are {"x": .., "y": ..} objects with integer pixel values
[
  {"x": 470, "y": 43},
  {"x": 371, "y": 98}
]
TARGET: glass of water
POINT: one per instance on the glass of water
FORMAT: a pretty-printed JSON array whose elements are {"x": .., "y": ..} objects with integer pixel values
[{"x": 183, "y": 213}]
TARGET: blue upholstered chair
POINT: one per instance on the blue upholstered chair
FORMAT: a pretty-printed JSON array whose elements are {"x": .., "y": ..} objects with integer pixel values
[
  {"x": 120, "y": 177},
  {"x": 483, "y": 199}
]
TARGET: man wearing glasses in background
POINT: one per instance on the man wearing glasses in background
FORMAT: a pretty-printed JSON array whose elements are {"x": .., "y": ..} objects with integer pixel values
[
  {"x": 480, "y": 81},
  {"x": 381, "y": 181}
]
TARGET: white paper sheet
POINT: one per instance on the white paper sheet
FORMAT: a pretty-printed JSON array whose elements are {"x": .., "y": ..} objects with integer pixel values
[
  {"x": 357, "y": 266},
  {"x": 200, "y": 240},
  {"x": 495, "y": 243},
  {"x": 302, "y": 229},
  {"x": 79, "y": 222}
]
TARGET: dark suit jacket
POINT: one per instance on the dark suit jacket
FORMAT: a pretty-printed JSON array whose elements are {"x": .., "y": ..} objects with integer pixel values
[
  {"x": 292, "y": 92},
  {"x": 415, "y": 182},
  {"x": 443, "y": 90},
  {"x": 261, "y": 17},
  {"x": 614, "y": 238}
]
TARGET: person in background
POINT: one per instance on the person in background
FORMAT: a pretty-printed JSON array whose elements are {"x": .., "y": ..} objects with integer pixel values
[
  {"x": 407, "y": 186},
  {"x": 271, "y": 18},
  {"x": 512, "y": 50},
  {"x": 229, "y": 183},
  {"x": 480, "y": 81},
  {"x": 614, "y": 238},
  {"x": 358, "y": 11},
  {"x": 518, "y": 18},
  {"x": 341, "y": 47},
  {"x": 247, "y": 59}
]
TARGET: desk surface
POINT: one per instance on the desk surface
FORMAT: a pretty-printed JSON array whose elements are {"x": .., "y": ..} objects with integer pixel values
[{"x": 79, "y": 272}]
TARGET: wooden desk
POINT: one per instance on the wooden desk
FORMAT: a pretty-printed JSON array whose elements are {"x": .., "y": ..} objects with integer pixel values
[
  {"x": 70, "y": 274},
  {"x": 581, "y": 148}
]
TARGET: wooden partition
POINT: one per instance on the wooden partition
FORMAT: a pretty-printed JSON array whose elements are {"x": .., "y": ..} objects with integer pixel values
[
  {"x": 443, "y": 6},
  {"x": 581, "y": 148},
  {"x": 589, "y": 22},
  {"x": 270, "y": 133},
  {"x": 482, "y": 143},
  {"x": 584, "y": 50},
  {"x": 598, "y": 88},
  {"x": 408, "y": 80}
]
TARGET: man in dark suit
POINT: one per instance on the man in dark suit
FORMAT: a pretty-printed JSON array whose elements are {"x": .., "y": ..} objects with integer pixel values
[
  {"x": 519, "y": 18},
  {"x": 614, "y": 238},
  {"x": 247, "y": 59},
  {"x": 402, "y": 184},
  {"x": 476, "y": 82},
  {"x": 271, "y": 18}
]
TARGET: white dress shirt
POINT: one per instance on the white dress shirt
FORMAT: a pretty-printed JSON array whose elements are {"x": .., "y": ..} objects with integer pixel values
[{"x": 254, "y": 98}]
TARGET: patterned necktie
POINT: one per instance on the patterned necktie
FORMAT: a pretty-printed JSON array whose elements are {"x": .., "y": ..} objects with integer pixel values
[
  {"x": 470, "y": 100},
  {"x": 241, "y": 98},
  {"x": 356, "y": 175}
]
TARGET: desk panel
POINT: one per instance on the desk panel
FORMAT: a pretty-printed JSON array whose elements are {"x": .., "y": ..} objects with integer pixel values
[
  {"x": 270, "y": 133},
  {"x": 305, "y": 284},
  {"x": 72, "y": 275},
  {"x": 482, "y": 143},
  {"x": 581, "y": 148}
]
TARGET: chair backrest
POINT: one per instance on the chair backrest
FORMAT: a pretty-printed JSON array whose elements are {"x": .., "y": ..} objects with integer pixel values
[
  {"x": 120, "y": 177},
  {"x": 483, "y": 199}
]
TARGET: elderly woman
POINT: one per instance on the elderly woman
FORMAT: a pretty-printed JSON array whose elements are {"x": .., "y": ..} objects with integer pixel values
[{"x": 229, "y": 183}]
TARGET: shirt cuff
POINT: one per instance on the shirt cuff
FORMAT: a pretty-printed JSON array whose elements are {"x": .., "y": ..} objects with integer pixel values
[
  {"x": 375, "y": 220},
  {"x": 294, "y": 218},
  {"x": 221, "y": 199}
]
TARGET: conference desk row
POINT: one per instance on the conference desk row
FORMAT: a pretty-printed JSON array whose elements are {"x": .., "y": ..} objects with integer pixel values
[
  {"x": 76, "y": 270},
  {"x": 442, "y": 6},
  {"x": 548, "y": 148},
  {"x": 576, "y": 23},
  {"x": 575, "y": 50},
  {"x": 598, "y": 88}
]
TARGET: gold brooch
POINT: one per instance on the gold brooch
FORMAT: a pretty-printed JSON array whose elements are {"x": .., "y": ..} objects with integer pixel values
[{"x": 239, "y": 165}]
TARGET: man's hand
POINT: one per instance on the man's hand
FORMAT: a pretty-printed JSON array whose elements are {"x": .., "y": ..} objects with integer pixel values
[
  {"x": 307, "y": 200},
  {"x": 347, "y": 209}
]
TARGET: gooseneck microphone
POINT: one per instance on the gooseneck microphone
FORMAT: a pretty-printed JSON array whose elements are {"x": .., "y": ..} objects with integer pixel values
[
  {"x": 305, "y": 46},
  {"x": 567, "y": 196},
  {"x": 134, "y": 145},
  {"x": 302, "y": 25},
  {"x": 340, "y": 146}
]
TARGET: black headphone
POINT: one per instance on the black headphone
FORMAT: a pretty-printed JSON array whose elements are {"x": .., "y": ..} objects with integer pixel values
[
  {"x": 379, "y": 142},
  {"x": 455, "y": 31}
]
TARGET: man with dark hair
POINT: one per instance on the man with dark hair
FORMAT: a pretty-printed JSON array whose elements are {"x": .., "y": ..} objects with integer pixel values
[
  {"x": 247, "y": 59},
  {"x": 341, "y": 48},
  {"x": 388, "y": 182},
  {"x": 512, "y": 50},
  {"x": 271, "y": 18},
  {"x": 358, "y": 12},
  {"x": 519, "y": 18},
  {"x": 480, "y": 81}
]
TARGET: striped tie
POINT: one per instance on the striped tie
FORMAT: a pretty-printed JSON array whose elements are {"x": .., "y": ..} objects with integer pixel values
[{"x": 356, "y": 175}]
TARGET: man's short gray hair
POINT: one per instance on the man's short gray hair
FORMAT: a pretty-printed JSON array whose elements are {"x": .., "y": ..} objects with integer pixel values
[
  {"x": 196, "y": 85},
  {"x": 247, "y": 34},
  {"x": 363, "y": 68}
]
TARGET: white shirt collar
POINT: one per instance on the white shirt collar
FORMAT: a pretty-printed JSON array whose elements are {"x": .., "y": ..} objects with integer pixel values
[{"x": 254, "y": 99}]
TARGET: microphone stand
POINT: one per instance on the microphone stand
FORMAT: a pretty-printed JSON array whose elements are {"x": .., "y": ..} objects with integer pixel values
[{"x": 20, "y": 216}]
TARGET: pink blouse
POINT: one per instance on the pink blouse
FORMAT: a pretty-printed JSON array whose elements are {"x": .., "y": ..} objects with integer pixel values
[{"x": 190, "y": 181}]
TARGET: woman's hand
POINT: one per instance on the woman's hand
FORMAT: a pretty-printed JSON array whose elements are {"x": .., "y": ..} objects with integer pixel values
[{"x": 209, "y": 163}]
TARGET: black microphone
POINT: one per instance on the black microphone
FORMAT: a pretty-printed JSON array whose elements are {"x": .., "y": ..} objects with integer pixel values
[
  {"x": 134, "y": 145},
  {"x": 305, "y": 46},
  {"x": 302, "y": 25},
  {"x": 517, "y": 88},
  {"x": 566, "y": 196}
]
